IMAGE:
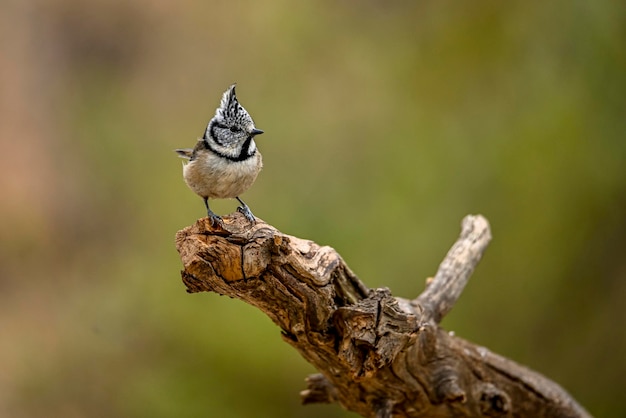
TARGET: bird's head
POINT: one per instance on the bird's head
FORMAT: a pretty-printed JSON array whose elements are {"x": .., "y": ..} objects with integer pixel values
[{"x": 232, "y": 125}]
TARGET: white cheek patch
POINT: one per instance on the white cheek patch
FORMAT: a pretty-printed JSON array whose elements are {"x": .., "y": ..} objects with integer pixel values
[{"x": 252, "y": 148}]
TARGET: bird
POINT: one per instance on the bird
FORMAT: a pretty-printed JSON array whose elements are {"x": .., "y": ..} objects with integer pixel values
[{"x": 225, "y": 162}]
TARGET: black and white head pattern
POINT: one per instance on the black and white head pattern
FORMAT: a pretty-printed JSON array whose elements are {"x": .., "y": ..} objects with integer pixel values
[{"x": 232, "y": 125}]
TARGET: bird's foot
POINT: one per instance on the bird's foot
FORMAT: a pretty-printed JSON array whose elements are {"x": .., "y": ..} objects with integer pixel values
[
  {"x": 215, "y": 220},
  {"x": 245, "y": 210}
]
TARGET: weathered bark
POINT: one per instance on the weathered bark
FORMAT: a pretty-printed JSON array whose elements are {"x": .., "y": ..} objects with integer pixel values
[{"x": 378, "y": 355}]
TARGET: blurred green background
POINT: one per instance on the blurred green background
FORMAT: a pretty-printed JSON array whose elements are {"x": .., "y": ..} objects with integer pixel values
[{"x": 385, "y": 124}]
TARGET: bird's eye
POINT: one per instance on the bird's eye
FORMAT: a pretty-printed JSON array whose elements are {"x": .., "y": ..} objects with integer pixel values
[{"x": 235, "y": 129}]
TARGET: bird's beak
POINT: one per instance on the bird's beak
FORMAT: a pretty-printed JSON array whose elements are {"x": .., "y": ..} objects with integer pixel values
[{"x": 255, "y": 132}]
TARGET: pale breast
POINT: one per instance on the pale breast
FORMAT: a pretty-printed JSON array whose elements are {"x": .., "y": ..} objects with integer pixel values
[{"x": 211, "y": 176}]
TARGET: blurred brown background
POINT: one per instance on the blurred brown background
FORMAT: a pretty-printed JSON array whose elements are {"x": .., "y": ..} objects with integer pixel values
[{"x": 385, "y": 124}]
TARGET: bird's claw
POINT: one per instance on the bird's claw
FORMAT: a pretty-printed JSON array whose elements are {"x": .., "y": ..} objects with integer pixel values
[
  {"x": 245, "y": 210},
  {"x": 214, "y": 219}
]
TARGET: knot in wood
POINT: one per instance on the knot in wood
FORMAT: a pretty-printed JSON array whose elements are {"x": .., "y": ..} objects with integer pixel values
[{"x": 373, "y": 331}]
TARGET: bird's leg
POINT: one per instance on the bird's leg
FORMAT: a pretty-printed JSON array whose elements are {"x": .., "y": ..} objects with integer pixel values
[
  {"x": 246, "y": 211},
  {"x": 213, "y": 218}
]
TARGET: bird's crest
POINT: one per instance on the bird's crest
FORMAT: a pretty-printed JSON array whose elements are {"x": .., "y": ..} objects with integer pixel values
[{"x": 229, "y": 106}]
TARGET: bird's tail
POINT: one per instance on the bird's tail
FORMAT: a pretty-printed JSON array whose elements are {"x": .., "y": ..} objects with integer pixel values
[{"x": 184, "y": 153}]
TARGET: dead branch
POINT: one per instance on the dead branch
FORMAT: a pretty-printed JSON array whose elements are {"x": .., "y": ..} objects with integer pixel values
[{"x": 378, "y": 355}]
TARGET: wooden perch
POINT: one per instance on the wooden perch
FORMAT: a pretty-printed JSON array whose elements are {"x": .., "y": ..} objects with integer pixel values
[{"x": 378, "y": 355}]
